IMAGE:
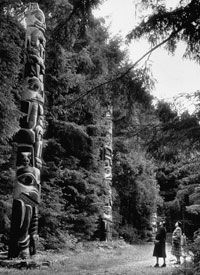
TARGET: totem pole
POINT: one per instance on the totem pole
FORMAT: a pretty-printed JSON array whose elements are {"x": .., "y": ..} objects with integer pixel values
[
  {"x": 108, "y": 151},
  {"x": 27, "y": 188}
]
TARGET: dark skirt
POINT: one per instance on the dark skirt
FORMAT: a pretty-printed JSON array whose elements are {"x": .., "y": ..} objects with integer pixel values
[{"x": 159, "y": 250}]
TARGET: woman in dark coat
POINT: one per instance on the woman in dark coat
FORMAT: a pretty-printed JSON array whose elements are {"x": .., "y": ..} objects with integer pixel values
[{"x": 159, "y": 248}]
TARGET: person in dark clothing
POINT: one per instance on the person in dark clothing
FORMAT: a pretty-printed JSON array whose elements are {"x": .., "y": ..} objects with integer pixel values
[{"x": 159, "y": 248}]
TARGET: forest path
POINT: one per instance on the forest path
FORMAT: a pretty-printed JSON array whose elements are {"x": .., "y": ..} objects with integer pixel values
[
  {"x": 101, "y": 259},
  {"x": 130, "y": 260},
  {"x": 120, "y": 260}
]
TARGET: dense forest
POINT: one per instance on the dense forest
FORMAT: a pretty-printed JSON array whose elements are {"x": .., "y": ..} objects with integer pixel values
[{"x": 155, "y": 148}]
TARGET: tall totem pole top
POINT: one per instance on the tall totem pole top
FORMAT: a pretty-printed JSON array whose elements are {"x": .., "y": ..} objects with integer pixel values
[{"x": 35, "y": 16}]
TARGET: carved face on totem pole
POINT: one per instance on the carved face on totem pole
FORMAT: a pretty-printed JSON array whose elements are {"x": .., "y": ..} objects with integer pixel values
[
  {"x": 28, "y": 180},
  {"x": 26, "y": 158},
  {"x": 33, "y": 90}
]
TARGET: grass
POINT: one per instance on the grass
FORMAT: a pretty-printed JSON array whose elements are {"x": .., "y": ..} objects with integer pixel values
[{"x": 114, "y": 258}]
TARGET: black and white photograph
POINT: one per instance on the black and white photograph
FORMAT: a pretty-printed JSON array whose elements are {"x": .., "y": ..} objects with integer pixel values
[{"x": 100, "y": 137}]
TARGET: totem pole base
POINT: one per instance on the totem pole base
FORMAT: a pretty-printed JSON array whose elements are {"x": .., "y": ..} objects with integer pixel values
[{"x": 31, "y": 263}]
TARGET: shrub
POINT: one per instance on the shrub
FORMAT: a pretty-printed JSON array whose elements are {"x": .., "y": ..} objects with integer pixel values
[{"x": 129, "y": 234}]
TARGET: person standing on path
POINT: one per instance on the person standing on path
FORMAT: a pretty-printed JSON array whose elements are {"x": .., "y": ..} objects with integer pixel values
[
  {"x": 176, "y": 242},
  {"x": 159, "y": 248}
]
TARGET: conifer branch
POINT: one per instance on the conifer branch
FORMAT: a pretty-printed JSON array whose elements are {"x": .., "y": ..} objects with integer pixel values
[{"x": 127, "y": 71}]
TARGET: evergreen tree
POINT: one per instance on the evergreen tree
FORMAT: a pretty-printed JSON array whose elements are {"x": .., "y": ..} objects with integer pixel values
[
  {"x": 134, "y": 169},
  {"x": 171, "y": 26},
  {"x": 11, "y": 72},
  {"x": 175, "y": 147}
]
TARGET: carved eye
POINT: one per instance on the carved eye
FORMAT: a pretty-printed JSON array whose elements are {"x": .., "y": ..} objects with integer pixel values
[
  {"x": 26, "y": 180},
  {"x": 35, "y": 86}
]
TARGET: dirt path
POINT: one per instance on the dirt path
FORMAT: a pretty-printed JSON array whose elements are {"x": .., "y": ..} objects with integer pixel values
[
  {"x": 132, "y": 260},
  {"x": 124, "y": 260},
  {"x": 102, "y": 259},
  {"x": 138, "y": 260}
]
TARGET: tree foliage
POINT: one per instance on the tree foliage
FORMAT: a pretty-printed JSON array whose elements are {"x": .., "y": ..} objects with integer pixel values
[
  {"x": 175, "y": 147},
  {"x": 175, "y": 144},
  {"x": 180, "y": 24},
  {"x": 11, "y": 71},
  {"x": 11, "y": 56}
]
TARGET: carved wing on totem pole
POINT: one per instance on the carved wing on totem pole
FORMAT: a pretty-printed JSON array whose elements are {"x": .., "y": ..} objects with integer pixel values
[{"x": 27, "y": 189}]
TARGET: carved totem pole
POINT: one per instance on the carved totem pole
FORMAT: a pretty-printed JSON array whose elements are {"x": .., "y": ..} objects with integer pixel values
[
  {"x": 108, "y": 151},
  {"x": 26, "y": 197}
]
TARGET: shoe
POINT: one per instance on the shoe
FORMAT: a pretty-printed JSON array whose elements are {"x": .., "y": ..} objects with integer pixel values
[
  {"x": 164, "y": 265},
  {"x": 156, "y": 265}
]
